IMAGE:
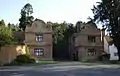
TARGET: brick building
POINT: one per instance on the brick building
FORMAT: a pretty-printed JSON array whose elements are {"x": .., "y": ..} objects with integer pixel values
[
  {"x": 38, "y": 38},
  {"x": 87, "y": 43}
]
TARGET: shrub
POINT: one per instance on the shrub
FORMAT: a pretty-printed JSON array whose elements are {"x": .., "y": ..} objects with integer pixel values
[
  {"x": 23, "y": 59},
  {"x": 32, "y": 60}
]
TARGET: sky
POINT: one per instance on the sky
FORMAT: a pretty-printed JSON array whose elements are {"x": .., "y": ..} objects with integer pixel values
[{"x": 70, "y": 11}]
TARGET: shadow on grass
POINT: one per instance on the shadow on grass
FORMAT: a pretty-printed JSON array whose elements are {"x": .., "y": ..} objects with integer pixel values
[{"x": 33, "y": 64}]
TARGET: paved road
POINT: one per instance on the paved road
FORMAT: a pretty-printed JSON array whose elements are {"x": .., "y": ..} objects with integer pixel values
[{"x": 63, "y": 69}]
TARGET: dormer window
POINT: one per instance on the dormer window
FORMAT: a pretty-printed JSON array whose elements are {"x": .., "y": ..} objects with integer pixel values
[{"x": 39, "y": 37}]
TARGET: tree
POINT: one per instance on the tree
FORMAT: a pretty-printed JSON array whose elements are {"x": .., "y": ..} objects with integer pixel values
[
  {"x": 61, "y": 34},
  {"x": 13, "y": 27},
  {"x": 26, "y": 16},
  {"x": 107, "y": 12},
  {"x": 79, "y": 26},
  {"x": 58, "y": 30},
  {"x": 5, "y": 36},
  {"x": 9, "y": 25},
  {"x": 2, "y": 23}
]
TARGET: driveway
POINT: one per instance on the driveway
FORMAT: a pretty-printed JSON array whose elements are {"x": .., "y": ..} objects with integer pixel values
[{"x": 63, "y": 69}]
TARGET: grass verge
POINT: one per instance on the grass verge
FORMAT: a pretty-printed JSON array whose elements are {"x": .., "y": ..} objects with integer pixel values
[
  {"x": 46, "y": 62},
  {"x": 34, "y": 64}
]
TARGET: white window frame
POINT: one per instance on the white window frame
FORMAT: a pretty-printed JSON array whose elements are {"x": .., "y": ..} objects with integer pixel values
[
  {"x": 39, "y": 51},
  {"x": 39, "y": 37}
]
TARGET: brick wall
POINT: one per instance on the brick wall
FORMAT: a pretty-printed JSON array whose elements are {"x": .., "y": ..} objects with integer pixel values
[{"x": 8, "y": 53}]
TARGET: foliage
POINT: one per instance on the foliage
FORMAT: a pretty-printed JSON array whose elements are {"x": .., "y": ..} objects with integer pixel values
[
  {"x": 5, "y": 36},
  {"x": 23, "y": 59},
  {"x": 61, "y": 35},
  {"x": 78, "y": 26},
  {"x": 26, "y": 16},
  {"x": 58, "y": 30},
  {"x": 13, "y": 27},
  {"x": 107, "y": 12},
  {"x": 2, "y": 23}
]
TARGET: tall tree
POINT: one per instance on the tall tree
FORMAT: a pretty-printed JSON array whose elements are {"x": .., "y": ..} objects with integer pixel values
[
  {"x": 2, "y": 23},
  {"x": 61, "y": 34},
  {"x": 107, "y": 12},
  {"x": 26, "y": 16},
  {"x": 5, "y": 36},
  {"x": 58, "y": 30},
  {"x": 13, "y": 27}
]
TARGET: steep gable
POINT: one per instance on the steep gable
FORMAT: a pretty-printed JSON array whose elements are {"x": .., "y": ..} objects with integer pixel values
[
  {"x": 90, "y": 28},
  {"x": 39, "y": 26}
]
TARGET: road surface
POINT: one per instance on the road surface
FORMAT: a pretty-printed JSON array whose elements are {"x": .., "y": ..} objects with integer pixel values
[{"x": 62, "y": 69}]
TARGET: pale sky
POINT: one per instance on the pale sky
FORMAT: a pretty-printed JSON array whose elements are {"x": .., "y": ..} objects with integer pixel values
[{"x": 70, "y": 11}]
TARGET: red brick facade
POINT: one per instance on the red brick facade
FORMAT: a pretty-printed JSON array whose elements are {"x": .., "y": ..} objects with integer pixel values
[
  {"x": 87, "y": 43},
  {"x": 38, "y": 38}
]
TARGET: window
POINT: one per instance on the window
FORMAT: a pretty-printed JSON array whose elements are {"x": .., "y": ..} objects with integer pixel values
[
  {"x": 38, "y": 51},
  {"x": 39, "y": 37},
  {"x": 91, "y": 38},
  {"x": 91, "y": 52},
  {"x": 115, "y": 54}
]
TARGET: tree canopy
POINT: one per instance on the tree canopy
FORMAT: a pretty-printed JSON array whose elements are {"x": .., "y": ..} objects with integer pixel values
[
  {"x": 107, "y": 12},
  {"x": 2, "y": 23},
  {"x": 26, "y": 16},
  {"x": 61, "y": 34},
  {"x": 13, "y": 27},
  {"x": 5, "y": 35}
]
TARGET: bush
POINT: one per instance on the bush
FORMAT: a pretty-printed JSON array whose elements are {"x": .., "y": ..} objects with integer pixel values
[
  {"x": 32, "y": 61},
  {"x": 23, "y": 59},
  {"x": 104, "y": 57}
]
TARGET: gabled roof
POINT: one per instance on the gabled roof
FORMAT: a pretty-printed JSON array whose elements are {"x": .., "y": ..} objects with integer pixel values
[
  {"x": 38, "y": 26},
  {"x": 91, "y": 23},
  {"x": 40, "y": 20}
]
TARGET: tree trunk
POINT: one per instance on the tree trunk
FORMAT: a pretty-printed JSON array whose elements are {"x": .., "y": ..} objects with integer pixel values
[{"x": 118, "y": 48}]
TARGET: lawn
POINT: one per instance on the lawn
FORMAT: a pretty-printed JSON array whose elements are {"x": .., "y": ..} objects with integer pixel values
[
  {"x": 34, "y": 64},
  {"x": 46, "y": 62}
]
